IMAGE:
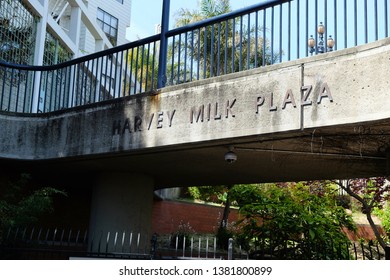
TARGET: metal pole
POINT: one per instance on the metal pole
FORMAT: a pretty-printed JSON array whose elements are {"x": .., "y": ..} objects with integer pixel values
[
  {"x": 162, "y": 60},
  {"x": 230, "y": 249},
  {"x": 154, "y": 246}
]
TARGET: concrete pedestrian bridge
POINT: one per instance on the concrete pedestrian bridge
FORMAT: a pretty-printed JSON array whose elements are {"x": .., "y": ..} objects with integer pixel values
[
  {"x": 100, "y": 125},
  {"x": 320, "y": 117}
]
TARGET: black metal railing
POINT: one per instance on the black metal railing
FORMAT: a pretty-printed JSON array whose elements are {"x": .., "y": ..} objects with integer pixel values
[
  {"x": 56, "y": 243},
  {"x": 287, "y": 250},
  {"x": 270, "y": 32}
]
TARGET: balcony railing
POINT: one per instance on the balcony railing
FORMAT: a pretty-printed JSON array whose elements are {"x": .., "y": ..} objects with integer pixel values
[{"x": 271, "y": 32}]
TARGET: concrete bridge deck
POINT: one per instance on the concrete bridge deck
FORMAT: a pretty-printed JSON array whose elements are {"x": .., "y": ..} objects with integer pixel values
[{"x": 320, "y": 117}]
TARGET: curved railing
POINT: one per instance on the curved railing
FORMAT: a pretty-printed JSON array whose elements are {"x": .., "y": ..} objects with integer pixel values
[
  {"x": 104, "y": 75},
  {"x": 263, "y": 34}
]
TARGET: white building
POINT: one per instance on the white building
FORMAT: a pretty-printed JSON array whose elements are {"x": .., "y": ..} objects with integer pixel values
[{"x": 50, "y": 31}]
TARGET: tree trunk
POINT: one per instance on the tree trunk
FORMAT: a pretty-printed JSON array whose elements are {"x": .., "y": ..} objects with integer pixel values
[
  {"x": 226, "y": 210},
  {"x": 368, "y": 211},
  {"x": 375, "y": 229}
]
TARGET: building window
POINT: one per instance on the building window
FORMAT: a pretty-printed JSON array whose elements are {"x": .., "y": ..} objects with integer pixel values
[{"x": 109, "y": 24}]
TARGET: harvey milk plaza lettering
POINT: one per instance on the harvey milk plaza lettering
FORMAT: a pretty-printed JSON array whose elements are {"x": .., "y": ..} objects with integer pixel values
[{"x": 217, "y": 111}]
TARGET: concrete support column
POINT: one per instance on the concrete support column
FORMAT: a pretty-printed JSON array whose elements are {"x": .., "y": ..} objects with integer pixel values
[{"x": 121, "y": 206}]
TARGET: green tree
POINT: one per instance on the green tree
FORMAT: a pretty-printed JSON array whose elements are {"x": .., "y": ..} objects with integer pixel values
[
  {"x": 21, "y": 204},
  {"x": 384, "y": 215},
  {"x": 204, "y": 48},
  {"x": 223, "y": 48},
  {"x": 207, "y": 193},
  {"x": 143, "y": 68},
  {"x": 214, "y": 194},
  {"x": 371, "y": 193},
  {"x": 217, "y": 194},
  {"x": 293, "y": 221}
]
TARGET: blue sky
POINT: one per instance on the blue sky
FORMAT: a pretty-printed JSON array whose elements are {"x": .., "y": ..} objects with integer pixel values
[{"x": 146, "y": 14}]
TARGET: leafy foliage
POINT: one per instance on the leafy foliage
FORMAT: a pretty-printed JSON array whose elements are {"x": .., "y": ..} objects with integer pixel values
[
  {"x": 293, "y": 221},
  {"x": 143, "y": 65},
  {"x": 206, "y": 9},
  {"x": 217, "y": 49},
  {"x": 21, "y": 204},
  {"x": 384, "y": 215},
  {"x": 214, "y": 194},
  {"x": 183, "y": 234},
  {"x": 371, "y": 193},
  {"x": 374, "y": 191},
  {"x": 217, "y": 194}
]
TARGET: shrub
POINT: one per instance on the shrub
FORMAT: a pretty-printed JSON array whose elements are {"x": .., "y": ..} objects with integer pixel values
[
  {"x": 384, "y": 215},
  {"x": 291, "y": 222},
  {"x": 184, "y": 231}
]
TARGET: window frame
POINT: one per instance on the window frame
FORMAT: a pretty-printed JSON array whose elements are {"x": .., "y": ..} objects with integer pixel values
[{"x": 109, "y": 24}]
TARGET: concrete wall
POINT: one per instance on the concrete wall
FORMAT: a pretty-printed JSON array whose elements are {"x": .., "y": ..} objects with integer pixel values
[
  {"x": 337, "y": 89},
  {"x": 121, "y": 202},
  {"x": 203, "y": 219}
]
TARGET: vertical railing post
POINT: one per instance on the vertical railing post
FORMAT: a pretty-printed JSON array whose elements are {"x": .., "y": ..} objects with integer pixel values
[
  {"x": 153, "y": 246},
  {"x": 72, "y": 88},
  {"x": 230, "y": 249},
  {"x": 162, "y": 60}
]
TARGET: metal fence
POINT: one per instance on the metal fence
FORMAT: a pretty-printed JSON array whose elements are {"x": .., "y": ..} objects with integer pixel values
[
  {"x": 34, "y": 243},
  {"x": 39, "y": 243},
  {"x": 270, "y": 32},
  {"x": 304, "y": 250}
]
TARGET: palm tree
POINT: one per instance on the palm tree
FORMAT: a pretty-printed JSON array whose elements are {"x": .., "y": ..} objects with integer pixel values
[
  {"x": 207, "y": 9},
  {"x": 143, "y": 67},
  {"x": 229, "y": 46},
  {"x": 209, "y": 43}
]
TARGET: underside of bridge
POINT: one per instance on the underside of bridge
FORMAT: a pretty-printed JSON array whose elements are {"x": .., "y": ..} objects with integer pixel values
[{"x": 351, "y": 151}]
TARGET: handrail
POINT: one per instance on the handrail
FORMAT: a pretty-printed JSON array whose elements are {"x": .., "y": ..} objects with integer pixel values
[
  {"x": 149, "y": 39},
  {"x": 81, "y": 59},
  {"x": 270, "y": 32},
  {"x": 224, "y": 17}
]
